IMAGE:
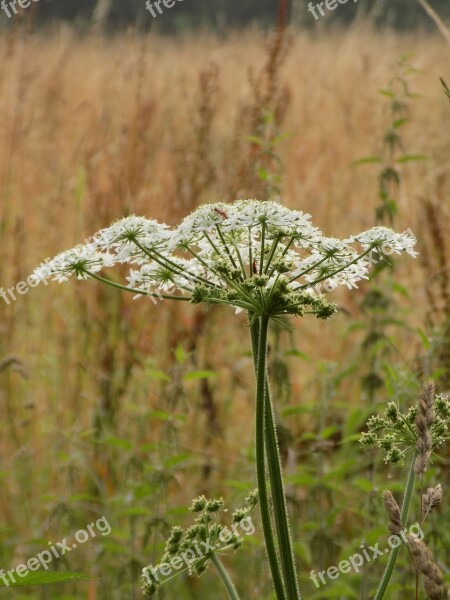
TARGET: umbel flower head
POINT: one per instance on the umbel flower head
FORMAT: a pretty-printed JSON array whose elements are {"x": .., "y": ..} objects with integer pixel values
[
  {"x": 256, "y": 256},
  {"x": 191, "y": 550},
  {"x": 421, "y": 430}
]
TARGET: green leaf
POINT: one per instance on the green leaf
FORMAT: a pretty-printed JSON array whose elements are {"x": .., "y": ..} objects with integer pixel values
[
  {"x": 193, "y": 375},
  {"x": 328, "y": 432},
  {"x": 160, "y": 375},
  {"x": 387, "y": 93},
  {"x": 366, "y": 160},
  {"x": 400, "y": 289},
  {"x": 42, "y": 578},
  {"x": 297, "y": 354},
  {"x": 118, "y": 443},
  {"x": 162, "y": 415},
  {"x": 424, "y": 338},
  {"x": 255, "y": 140},
  {"x": 412, "y": 158},
  {"x": 446, "y": 88},
  {"x": 364, "y": 485},
  {"x": 263, "y": 174},
  {"x": 354, "y": 437},
  {"x": 173, "y": 461},
  {"x": 399, "y": 122},
  {"x": 297, "y": 410},
  {"x": 180, "y": 354}
]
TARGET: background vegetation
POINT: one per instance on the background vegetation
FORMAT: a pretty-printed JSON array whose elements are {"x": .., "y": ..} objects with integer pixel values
[
  {"x": 222, "y": 15},
  {"x": 120, "y": 408}
]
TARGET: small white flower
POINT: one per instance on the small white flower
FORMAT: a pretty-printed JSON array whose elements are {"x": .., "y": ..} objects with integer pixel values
[
  {"x": 76, "y": 261},
  {"x": 133, "y": 239},
  {"x": 203, "y": 220},
  {"x": 386, "y": 240}
]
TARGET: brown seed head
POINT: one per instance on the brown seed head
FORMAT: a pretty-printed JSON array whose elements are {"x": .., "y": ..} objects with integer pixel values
[{"x": 425, "y": 418}]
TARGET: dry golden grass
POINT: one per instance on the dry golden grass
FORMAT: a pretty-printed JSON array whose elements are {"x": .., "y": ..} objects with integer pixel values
[{"x": 93, "y": 129}]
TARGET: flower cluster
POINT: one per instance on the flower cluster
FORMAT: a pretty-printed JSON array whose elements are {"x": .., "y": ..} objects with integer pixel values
[
  {"x": 191, "y": 550},
  {"x": 396, "y": 433},
  {"x": 256, "y": 256}
]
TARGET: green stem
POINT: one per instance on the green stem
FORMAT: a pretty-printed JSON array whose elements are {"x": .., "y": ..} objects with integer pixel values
[
  {"x": 403, "y": 516},
  {"x": 260, "y": 351},
  {"x": 279, "y": 503},
  {"x": 328, "y": 275},
  {"x": 124, "y": 288},
  {"x": 278, "y": 494},
  {"x": 232, "y": 592}
]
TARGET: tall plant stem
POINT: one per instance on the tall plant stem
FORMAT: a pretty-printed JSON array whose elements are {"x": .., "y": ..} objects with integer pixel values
[
  {"x": 279, "y": 502},
  {"x": 403, "y": 516},
  {"x": 286, "y": 551},
  {"x": 260, "y": 353},
  {"x": 232, "y": 592}
]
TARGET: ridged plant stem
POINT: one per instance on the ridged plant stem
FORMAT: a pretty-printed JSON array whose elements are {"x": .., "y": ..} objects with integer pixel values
[
  {"x": 403, "y": 516},
  {"x": 261, "y": 365},
  {"x": 285, "y": 549}
]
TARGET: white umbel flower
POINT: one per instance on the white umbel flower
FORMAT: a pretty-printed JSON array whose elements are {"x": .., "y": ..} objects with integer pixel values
[
  {"x": 77, "y": 261},
  {"x": 252, "y": 255},
  {"x": 133, "y": 238},
  {"x": 386, "y": 241}
]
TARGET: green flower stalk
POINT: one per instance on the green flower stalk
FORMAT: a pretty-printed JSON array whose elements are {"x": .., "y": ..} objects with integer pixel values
[{"x": 258, "y": 257}]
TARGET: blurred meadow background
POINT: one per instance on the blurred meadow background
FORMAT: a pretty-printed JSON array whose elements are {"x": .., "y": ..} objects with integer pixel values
[{"x": 127, "y": 409}]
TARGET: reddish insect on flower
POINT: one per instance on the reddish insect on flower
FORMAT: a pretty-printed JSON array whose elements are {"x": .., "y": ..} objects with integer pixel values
[{"x": 222, "y": 213}]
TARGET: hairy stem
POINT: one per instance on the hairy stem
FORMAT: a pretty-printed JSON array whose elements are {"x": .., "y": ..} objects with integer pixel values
[
  {"x": 286, "y": 551},
  {"x": 260, "y": 353},
  {"x": 232, "y": 592},
  {"x": 403, "y": 516}
]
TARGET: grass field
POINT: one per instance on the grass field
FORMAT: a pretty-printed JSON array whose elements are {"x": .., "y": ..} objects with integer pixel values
[{"x": 120, "y": 408}]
